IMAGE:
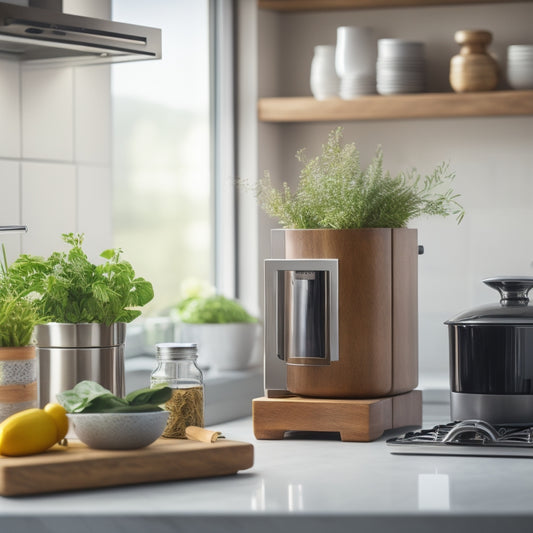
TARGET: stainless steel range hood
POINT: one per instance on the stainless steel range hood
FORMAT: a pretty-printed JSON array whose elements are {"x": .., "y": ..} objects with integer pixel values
[{"x": 48, "y": 36}]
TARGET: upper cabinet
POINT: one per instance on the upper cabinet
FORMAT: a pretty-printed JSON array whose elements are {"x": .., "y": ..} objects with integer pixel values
[{"x": 439, "y": 103}]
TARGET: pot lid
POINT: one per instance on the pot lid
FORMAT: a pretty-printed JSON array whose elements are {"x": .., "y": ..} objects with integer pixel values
[{"x": 513, "y": 309}]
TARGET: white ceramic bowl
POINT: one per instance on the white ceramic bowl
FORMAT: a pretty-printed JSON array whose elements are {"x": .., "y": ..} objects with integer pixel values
[
  {"x": 520, "y": 50},
  {"x": 221, "y": 346},
  {"x": 400, "y": 49},
  {"x": 118, "y": 431},
  {"x": 520, "y": 76}
]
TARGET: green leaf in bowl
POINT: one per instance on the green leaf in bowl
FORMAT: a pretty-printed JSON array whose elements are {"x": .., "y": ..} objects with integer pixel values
[
  {"x": 152, "y": 396},
  {"x": 88, "y": 396},
  {"x": 91, "y": 397}
]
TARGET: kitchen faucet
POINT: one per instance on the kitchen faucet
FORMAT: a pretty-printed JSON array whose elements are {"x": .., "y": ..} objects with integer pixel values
[{"x": 16, "y": 229}]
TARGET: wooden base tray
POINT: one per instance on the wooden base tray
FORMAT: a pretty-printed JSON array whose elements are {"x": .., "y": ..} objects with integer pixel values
[
  {"x": 75, "y": 466},
  {"x": 355, "y": 420}
]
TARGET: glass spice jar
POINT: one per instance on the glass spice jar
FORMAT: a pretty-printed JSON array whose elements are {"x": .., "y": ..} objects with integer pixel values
[{"x": 177, "y": 368}]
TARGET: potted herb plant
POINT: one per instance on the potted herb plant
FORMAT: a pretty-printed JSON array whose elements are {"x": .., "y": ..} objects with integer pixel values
[
  {"x": 225, "y": 332},
  {"x": 360, "y": 216},
  {"x": 85, "y": 308},
  {"x": 18, "y": 364}
]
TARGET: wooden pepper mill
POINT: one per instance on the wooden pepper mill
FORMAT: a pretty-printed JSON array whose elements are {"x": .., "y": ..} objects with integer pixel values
[{"x": 473, "y": 69}]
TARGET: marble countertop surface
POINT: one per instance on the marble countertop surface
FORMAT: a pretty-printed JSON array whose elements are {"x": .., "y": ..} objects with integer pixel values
[{"x": 304, "y": 484}]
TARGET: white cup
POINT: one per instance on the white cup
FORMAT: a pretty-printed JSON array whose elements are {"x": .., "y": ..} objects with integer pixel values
[
  {"x": 356, "y": 51},
  {"x": 520, "y": 66}
]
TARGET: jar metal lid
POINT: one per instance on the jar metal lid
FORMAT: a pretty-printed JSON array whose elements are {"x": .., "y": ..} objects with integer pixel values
[{"x": 176, "y": 350}]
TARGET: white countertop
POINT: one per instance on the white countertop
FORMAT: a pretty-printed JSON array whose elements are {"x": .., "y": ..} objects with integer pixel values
[{"x": 304, "y": 485}]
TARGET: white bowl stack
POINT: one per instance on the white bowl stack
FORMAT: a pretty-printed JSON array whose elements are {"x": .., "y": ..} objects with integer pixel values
[
  {"x": 355, "y": 61},
  {"x": 401, "y": 66},
  {"x": 520, "y": 66}
]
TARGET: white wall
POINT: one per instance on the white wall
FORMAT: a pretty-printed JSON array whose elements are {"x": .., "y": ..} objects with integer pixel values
[
  {"x": 492, "y": 157},
  {"x": 55, "y": 154}
]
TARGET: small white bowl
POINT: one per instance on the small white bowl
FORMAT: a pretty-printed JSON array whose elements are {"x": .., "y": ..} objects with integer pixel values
[
  {"x": 222, "y": 346},
  {"x": 520, "y": 50},
  {"x": 400, "y": 49},
  {"x": 118, "y": 431},
  {"x": 520, "y": 78}
]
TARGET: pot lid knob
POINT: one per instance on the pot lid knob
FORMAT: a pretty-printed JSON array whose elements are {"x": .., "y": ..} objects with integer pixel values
[{"x": 513, "y": 290}]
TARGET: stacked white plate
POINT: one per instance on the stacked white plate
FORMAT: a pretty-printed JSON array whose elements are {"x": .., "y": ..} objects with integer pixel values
[
  {"x": 401, "y": 66},
  {"x": 357, "y": 85},
  {"x": 520, "y": 66}
]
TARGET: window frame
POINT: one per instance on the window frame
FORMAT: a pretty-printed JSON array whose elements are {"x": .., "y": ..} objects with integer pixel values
[{"x": 224, "y": 147}]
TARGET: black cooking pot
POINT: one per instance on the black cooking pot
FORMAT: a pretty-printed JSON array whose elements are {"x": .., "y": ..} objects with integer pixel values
[{"x": 491, "y": 357}]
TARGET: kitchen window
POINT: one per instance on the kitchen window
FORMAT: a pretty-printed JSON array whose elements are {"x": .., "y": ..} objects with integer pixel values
[{"x": 168, "y": 207}]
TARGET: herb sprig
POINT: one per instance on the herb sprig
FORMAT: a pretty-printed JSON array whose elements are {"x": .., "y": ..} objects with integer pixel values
[
  {"x": 70, "y": 289},
  {"x": 334, "y": 191}
]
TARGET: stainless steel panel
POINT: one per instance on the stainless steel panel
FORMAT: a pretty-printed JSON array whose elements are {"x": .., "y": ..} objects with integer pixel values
[
  {"x": 275, "y": 369},
  {"x": 62, "y": 368},
  {"x": 303, "y": 314},
  {"x": 514, "y": 409},
  {"x": 57, "y": 335},
  {"x": 70, "y": 353},
  {"x": 51, "y": 37}
]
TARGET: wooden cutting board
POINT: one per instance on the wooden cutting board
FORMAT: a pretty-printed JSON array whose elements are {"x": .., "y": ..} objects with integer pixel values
[{"x": 73, "y": 467}]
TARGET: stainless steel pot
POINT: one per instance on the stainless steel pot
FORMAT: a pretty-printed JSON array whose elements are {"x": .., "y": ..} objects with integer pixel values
[
  {"x": 491, "y": 357},
  {"x": 70, "y": 353}
]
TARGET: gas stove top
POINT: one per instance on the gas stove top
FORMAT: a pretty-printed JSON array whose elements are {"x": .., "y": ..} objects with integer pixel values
[{"x": 468, "y": 437}]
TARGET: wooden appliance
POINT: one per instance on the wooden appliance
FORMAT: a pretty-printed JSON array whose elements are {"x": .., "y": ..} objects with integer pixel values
[{"x": 341, "y": 333}]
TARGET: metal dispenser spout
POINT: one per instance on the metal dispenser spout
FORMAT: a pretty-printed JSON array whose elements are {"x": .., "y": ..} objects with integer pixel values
[{"x": 301, "y": 316}]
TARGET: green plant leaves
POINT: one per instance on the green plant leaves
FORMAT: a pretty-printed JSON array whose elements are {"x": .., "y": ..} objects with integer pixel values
[
  {"x": 18, "y": 317},
  {"x": 212, "y": 310},
  {"x": 157, "y": 395},
  {"x": 335, "y": 192},
  {"x": 83, "y": 396},
  {"x": 69, "y": 288},
  {"x": 90, "y": 397},
  {"x": 18, "y": 313}
]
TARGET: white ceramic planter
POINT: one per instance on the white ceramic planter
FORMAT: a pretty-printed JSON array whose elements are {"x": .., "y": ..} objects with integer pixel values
[
  {"x": 18, "y": 380},
  {"x": 221, "y": 346}
]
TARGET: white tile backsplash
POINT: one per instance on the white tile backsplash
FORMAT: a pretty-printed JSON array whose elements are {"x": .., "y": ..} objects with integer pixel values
[
  {"x": 47, "y": 114},
  {"x": 95, "y": 209},
  {"x": 9, "y": 197},
  {"x": 9, "y": 109},
  {"x": 55, "y": 155},
  {"x": 49, "y": 205},
  {"x": 92, "y": 109},
  {"x": 10, "y": 205}
]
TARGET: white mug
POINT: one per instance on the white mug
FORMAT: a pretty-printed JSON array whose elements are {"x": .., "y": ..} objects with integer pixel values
[{"x": 356, "y": 51}]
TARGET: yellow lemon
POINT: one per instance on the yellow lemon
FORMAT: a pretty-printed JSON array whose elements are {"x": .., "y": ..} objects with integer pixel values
[
  {"x": 59, "y": 414},
  {"x": 27, "y": 432}
]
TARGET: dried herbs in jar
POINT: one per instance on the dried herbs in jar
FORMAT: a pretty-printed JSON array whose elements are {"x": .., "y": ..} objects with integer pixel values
[{"x": 177, "y": 368}]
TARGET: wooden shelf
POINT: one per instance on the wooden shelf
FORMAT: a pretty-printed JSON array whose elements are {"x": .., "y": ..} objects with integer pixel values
[
  {"x": 401, "y": 106},
  {"x": 326, "y": 5}
]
